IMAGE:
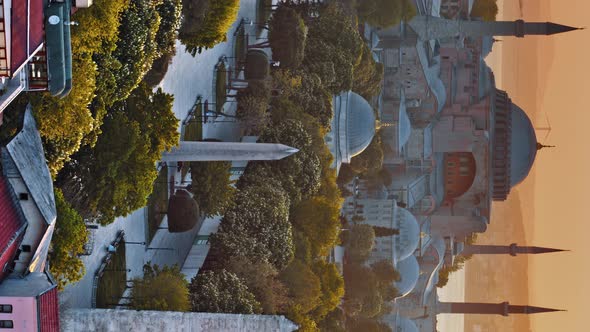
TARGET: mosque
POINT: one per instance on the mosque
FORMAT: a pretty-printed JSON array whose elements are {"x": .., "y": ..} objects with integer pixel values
[{"x": 454, "y": 144}]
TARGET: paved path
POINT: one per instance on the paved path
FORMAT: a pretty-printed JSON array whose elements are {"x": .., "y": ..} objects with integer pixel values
[{"x": 187, "y": 77}]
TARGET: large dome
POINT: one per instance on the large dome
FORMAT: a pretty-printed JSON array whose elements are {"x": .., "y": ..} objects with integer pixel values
[
  {"x": 523, "y": 146},
  {"x": 409, "y": 270},
  {"x": 409, "y": 234},
  {"x": 354, "y": 124},
  {"x": 404, "y": 324}
]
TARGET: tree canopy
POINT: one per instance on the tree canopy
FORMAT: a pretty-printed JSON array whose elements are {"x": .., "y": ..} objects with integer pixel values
[
  {"x": 287, "y": 37},
  {"x": 211, "y": 186},
  {"x": 222, "y": 291},
  {"x": 486, "y": 9},
  {"x": 163, "y": 289},
  {"x": 361, "y": 241},
  {"x": 385, "y": 13},
  {"x": 115, "y": 177},
  {"x": 206, "y": 22},
  {"x": 67, "y": 244}
]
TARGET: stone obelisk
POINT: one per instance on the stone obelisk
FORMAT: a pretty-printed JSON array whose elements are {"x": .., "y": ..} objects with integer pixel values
[{"x": 227, "y": 151}]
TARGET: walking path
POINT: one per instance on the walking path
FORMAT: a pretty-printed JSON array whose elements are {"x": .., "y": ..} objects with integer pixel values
[{"x": 186, "y": 78}]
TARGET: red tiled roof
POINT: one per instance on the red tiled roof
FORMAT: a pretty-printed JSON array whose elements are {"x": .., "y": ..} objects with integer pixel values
[
  {"x": 8, "y": 255},
  {"x": 48, "y": 311},
  {"x": 19, "y": 24},
  {"x": 11, "y": 222}
]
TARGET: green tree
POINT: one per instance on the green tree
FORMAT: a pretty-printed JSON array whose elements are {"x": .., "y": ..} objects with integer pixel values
[
  {"x": 364, "y": 325},
  {"x": 211, "y": 186},
  {"x": 206, "y": 22},
  {"x": 370, "y": 160},
  {"x": 261, "y": 278},
  {"x": 67, "y": 244},
  {"x": 287, "y": 37},
  {"x": 318, "y": 218},
  {"x": 486, "y": 9},
  {"x": 385, "y": 13},
  {"x": 333, "y": 48},
  {"x": 361, "y": 241},
  {"x": 222, "y": 291},
  {"x": 368, "y": 75},
  {"x": 385, "y": 231},
  {"x": 300, "y": 173},
  {"x": 163, "y": 289},
  {"x": 385, "y": 272},
  {"x": 332, "y": 288},
  {"x": 116, "y": 176},
  {"x": 257, "y": 227},
  {"x": 304, "y": 286}
]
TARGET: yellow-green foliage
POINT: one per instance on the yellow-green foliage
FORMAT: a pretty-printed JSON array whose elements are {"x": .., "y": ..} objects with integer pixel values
[{"x": 206, "y": 22}]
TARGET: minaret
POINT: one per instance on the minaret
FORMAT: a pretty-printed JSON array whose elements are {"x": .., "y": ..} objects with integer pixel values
[
  {"x": 430, "y": 27},
  {"x": 511, "y": 250},
  {"x": 503, "y": 309}
]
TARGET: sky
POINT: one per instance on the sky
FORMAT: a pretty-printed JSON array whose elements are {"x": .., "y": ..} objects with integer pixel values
[
  {"x": 550, "y": 78},
  {"x": 556, "y": 193}
]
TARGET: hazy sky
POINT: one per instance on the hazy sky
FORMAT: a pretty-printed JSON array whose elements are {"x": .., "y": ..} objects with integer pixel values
[{"x": 561, "y": 178}]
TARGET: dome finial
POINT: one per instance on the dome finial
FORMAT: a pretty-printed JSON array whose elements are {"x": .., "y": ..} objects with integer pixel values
[
  {"x": 379, "y": 124},
  {"x": 540, "y": 146}
]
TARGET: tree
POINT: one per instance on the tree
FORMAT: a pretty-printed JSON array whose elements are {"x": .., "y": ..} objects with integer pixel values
[
  {"x": 222, "y": 291},
  {"x": 257, "y": 227},
  {"x": 163, "y": 289},
  {"x": 304, "y": 286},
  {"x": 318, "y": 219},
  {"x": 385, "y": 13},
  {"x": 205, "y": 23},
  {"x": 287, "y": 37},
  {"x": 332, "y": 288},
  {"x": 211, "y": 186},
  {"x": 362, "y": 239},
  {"x": 333, "y": 47},
  {"x": 385, "y": 272},
  {"x": 300, "y": 173},
  {"x": 261, "y": 278},
  {"x": 368, "y": 75},
  {"x": 67, "y": 244},
  {"x": 364, "y": 325},
  {"x": 486, "y": 9},
  {"x": 385, "y": 231},
  {"x": 116, "y": 176},
  {"x": 370, "y": 160}
]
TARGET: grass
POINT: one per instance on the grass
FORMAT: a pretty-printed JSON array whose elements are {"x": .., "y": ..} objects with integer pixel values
[
  {"x": 263, "y": 11},
  {"x": 220, "y": 87},
  {"x": 112, "y": 283},
  {"x": 157, "y": 203}
]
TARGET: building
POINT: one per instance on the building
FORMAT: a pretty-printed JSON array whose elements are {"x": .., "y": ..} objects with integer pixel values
[
  {"x": 35, "y": 51},
  {"x": 107, "y": 320},
  {"x": 28, "y": 294},
  {"x": 464, "y": 146}
]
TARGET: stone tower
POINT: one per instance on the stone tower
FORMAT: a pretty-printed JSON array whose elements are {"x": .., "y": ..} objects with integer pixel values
[
  {"x": 511, "y": 250},
  {"x": 430, "y": 27},
  {"x": 503, "y": 308}
]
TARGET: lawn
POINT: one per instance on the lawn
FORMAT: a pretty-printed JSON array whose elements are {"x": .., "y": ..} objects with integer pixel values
[
  {"x": 111, "y": 284},
  {"x": 220, "y": 87},
  {"x": 157, "y": 203}
]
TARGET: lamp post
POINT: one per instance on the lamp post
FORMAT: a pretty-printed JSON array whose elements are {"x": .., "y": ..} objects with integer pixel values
[{"x": 131, "y": 242}]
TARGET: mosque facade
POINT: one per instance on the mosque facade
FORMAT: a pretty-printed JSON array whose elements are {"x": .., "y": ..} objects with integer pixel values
[{"x": 454, "y": 144}]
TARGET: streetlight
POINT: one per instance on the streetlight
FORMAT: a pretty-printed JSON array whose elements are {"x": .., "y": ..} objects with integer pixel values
[{"x": 130, "y": 242}]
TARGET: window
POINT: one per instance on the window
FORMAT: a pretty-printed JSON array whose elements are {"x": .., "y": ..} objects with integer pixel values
[
  {"x": 6, "y": 324},
  {"x": 6, "y": 308},
  {"x": 26, "y": 248},
  {"x": 23, "y": 196}
]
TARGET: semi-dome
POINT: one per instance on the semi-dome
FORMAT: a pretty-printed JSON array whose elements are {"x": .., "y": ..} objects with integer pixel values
[
  {"x": 406, "y": 242},
  {"x": 353, "y": 127},
  {"x": 523, "y": 146},
  {"x": 409, "y": 270},
  {"x": 403, "y": 324}
]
